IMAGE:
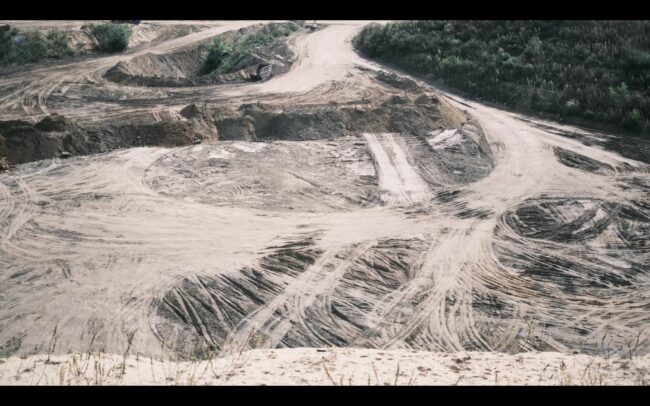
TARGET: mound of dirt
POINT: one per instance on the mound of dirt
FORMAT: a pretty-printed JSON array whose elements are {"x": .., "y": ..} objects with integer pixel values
[
  {"x": 407, "y": 114},
  {"x": 180, "y": 68}
]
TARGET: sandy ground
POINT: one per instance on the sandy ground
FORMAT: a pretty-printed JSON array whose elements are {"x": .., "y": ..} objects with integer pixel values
[
  {"x": 215, "y": 249},
  {"x": 341, "y": 366}
]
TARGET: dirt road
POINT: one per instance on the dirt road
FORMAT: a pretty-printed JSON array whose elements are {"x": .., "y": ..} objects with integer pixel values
[{"x": 360, "y": 241}]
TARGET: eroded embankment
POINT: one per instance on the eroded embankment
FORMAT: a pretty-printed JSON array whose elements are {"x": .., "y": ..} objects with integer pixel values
[{"x": 405, "y": 112}]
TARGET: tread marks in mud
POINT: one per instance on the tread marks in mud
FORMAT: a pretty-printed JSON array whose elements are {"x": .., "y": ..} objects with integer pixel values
[
  {"x": 575, "y": 160},
  {"x": 571, "y": 257},
  {"x": 345, "y": 314},
  {"x": 200, "y": 313},
  {"x": 305, "y": 176},
  {"x": 197, "y": 315}
]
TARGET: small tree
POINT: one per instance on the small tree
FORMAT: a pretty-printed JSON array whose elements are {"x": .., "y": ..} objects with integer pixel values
[
  {"x": 112, "y": 37},
  {"x": 218, "y": 51}
]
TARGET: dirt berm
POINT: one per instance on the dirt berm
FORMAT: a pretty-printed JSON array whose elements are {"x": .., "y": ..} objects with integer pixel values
[
  {"x": 52, "y": 137},
  {"x": 406, "y": 112},
  {"x": 266, "y": 122}
]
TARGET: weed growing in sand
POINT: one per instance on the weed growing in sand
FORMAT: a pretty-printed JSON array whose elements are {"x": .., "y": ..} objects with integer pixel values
[
  {"x": 129, "y": 342},
  {"x": 531, "y": 325}
]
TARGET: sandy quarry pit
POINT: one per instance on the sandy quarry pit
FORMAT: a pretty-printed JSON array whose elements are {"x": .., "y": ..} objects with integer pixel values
[{"x": 339, "y": 203}]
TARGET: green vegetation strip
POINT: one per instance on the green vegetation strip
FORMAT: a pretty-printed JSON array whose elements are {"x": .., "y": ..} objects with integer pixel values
[
  {"x": 592, "y": 70},
  {"x": 19, "y": 47}
]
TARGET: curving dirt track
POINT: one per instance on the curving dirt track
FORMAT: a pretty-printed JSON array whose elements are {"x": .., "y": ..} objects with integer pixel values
[{"x": 500, "y": 234}]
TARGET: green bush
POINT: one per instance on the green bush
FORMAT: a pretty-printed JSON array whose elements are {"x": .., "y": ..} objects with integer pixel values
[
  {"x": 594, "y": 70},
  {"x": 111, "y": 37},
  {"x": 18, "y": 47},
  {"x": 218, "y": 51}
]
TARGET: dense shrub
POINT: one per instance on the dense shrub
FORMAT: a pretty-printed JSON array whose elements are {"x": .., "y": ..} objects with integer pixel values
[
  {"x": 223, "y": 56},
  {"x": 218, "y": 51},
  {"x": 594, "y": 70},
  {"x": 17, "y": 47},
  {"x": 112, "y": 37}
]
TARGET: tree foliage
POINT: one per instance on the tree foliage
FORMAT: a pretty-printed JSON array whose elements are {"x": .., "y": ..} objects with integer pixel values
[
  {"x": 18, "y": 47},
  {"x": 112, "y": 37}
]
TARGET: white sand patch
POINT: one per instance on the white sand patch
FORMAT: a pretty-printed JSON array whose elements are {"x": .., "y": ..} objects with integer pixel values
[
  {"x": 220, "y": 154},
  {"x": 444, "y": 139},
  {"x": 396, "y": 174},
  {"x": 249, "y": 146}
]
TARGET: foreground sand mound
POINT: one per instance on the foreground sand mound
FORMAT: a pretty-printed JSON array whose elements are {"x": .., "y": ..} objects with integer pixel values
[{"x": 311, "y": 366}]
